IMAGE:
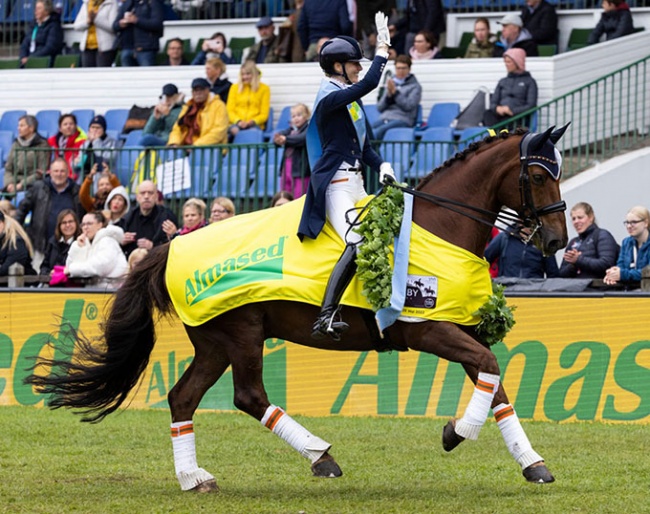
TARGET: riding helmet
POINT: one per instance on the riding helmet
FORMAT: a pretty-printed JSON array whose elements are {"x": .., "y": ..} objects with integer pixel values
[{"x": 339, "y": 49}]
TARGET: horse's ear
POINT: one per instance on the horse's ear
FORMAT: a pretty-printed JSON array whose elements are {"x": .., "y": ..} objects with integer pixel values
[
  {"x": 557, "y": 134},
  {"x": 538, "y": 140}
]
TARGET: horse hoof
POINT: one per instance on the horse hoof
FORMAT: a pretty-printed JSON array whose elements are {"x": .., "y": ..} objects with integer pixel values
[
  {"x": 210, "y": 486},
  {"x": 326, "y": 467},
  {"x": 450, "y": 439},
  {"x": 538, "y": 473}
]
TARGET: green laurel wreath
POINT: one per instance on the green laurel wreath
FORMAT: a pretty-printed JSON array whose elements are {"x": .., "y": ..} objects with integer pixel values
[
  {"x": 496, "y": 317},
  {"x": 379, "y": 227}
]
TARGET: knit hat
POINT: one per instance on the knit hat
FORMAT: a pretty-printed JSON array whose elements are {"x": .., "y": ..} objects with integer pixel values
[
  {"x": 98, "y": 120},
  {"x": 519, "y": 56}
]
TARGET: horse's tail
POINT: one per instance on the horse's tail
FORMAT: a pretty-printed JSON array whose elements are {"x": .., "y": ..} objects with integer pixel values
[{"x": 98, "y": 377}]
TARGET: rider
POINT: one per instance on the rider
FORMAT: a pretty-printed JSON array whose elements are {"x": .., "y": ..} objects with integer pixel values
[{"x": 338, "y": 148}]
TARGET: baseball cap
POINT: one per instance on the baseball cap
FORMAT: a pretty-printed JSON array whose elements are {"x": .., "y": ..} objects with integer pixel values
[
  {"x": 511, "y": 19},
  {"x": 265, "y": 21},
  {"x": 169, "y": 90},
  {"x": 200, "y": 83}
]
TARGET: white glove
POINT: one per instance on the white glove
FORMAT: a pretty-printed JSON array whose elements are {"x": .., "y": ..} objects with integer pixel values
[
  {"x": 386, "y": 172},
  {"x": 383, "y": 36}
]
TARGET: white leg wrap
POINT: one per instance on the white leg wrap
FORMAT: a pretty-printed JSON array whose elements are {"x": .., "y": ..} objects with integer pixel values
[
  {"x": 187, "y": 470},
  {"x": 297, "y": 436},
  {"x": 513, "y": 434},
  {"x": 478, "y": 408}
]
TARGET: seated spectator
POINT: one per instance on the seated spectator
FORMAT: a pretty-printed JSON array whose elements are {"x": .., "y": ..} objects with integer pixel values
[
  {"x": 165, "y": 113},
  {"x": 45, "y": 36},
  {"x": 215, "y": 47},
  {"x": 593, "y": 252},
  {"x": 424, "y": 46},
  {"x": 139, "y": 26},
  {"x": 136, "y": 256},
  {"x": 482, "y": 44},
  {"x": 513, "y": 35},
  {"x": 117, "y": 206},
  {"x": 24, "y": 167},
  {"x": 174, "y": 52},
  {"x": 266, "y": 49},
  {"x": 294, "y": 170},
  {"x": 290, "y": 44},
  {"x": 66, "y": 231},
  {"x": 95, "y": 20},
  {"x": 215, "y": 72},
  {"x": 98, "y": 149},
  {"x": 615, "y": 22},
  {"x": 143, "y": 224},
  {"x": 222, "y": 208},
  {"x": 45, "y": 200},
  {"x": 249, "y": 100},
  {"x": 203, "y": 120},
  {"x": 322, "y": 20},
  {"x": 540, "y": 20},
  {"x": 280, "y": 198},
  {"x": 519, "y": 259},
  {"x": 68, "y": 140},
  {"x": 96, "y": 252},
  {"x": 104, "y": 183},
  {"x": 193, "y": 219},
  {"x": 515, "y": 93},
  {"x": 635, "y": 250},
  {"x": 15, "y": 246},
  {"x": 398, "y": 106}
]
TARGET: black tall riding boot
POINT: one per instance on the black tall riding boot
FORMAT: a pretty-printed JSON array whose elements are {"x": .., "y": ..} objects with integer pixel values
[{"x": 339, "y": 279}]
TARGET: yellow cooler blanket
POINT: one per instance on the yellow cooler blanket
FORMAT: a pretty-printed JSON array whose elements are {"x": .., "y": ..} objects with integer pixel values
[{"x": 258, "y": 257}]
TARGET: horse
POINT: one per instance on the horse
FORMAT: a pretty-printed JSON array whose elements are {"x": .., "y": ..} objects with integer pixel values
[{"x": 507, "y": 169}]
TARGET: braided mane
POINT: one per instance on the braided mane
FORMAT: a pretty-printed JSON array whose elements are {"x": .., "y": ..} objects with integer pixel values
[{"x": 471, "y": 148}]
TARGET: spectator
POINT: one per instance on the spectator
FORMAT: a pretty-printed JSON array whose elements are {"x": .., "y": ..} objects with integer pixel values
[
  {"x": 45, "y": 200},
  {"x": 193, "y": 219},
  {"x": 420, "y": 15},
  {"x": 136, "y": 256},
  {"x": 399, "y": 103},
  {"x": 165, "y": 113},
  {"x": 266, "y": 50},
  {"x": 104, "y": 182},
  {"x": 482, "y": 44},
  {"x": 215, "y": 72},
  {"x": 635, "y": 251},
  {"x": 222, "y": 208},
  {"x": 143, "y": 225},
  {"x": 15, "y": 246},
  {"x": 215, "y": 47},
  {"x": 203, "y": 120},
  {"x": 98, "y": 149},
  {"x": 66, "y": 231},
  {"x": 294, "y": 170},
  {"x": 593, "y": 252},
  {"x": 95, "y": 19},
  {"x": 117, "y": 206},
  {"x": 139, "y": 25},
  {"x": 513, "y": 35},
  {"x": 615, "y": 22},
  {"x": 519, "y": 259},
  {"x": 515, "y": 93},
  {"x": 540, "y": 20},
  {"x": 96, "y": 252},
  {"x": 322, "y": 20},
  {"x": 8, "y": 208},
  {"x": 280, "y": 198},
  {"x": 174, "y": 52},
  {"x": 249, "y": 100},
  {"x": 290, "y": 46},
  {"x": 425, "y": 46},
  {"x": 68, "y": 140},
  {"x": 23, "y": 167},
  {"x": 44, "y": 38}
]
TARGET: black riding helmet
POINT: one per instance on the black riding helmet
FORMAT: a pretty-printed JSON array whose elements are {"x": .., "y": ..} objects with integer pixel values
[{"x": 339, "y": 49}]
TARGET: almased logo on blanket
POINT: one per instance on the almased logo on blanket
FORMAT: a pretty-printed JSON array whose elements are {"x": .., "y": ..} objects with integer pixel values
[{"x": 261, "y": 264}]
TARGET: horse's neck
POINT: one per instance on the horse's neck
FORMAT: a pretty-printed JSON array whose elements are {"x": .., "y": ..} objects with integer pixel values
[{"x": 473, "y": 181}]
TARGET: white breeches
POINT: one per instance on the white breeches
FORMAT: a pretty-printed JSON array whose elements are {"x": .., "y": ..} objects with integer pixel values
[{"x": 343, "y": 193}]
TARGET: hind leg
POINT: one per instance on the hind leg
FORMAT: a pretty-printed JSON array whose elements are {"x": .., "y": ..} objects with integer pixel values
[{"x": 209, "y": 363}]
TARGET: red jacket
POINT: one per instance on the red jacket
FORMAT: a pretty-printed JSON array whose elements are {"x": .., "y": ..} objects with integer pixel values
[{"x": 68, "y": 153}]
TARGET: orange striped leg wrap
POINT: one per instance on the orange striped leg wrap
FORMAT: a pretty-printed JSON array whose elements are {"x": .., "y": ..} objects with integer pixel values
[
  {"x": 478, "y": 408},
  {"x": 514, "y": 436}
]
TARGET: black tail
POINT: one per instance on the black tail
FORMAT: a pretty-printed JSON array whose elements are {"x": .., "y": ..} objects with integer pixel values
[{"x": 98, "y": 376}]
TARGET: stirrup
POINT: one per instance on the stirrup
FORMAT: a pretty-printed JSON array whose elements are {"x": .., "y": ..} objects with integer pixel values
[{"x": 326, "y": 326}]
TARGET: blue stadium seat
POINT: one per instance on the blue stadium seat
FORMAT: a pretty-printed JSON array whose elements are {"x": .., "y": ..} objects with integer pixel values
[
  {"x": 9, "y": 120},
  {"x": 133, "y": 138},
  {"x": 125, "y": 164},
  {"x": 266, "y": 176},
  {"x": 372, "y": 113},
  {"x": 22, "y": 11},
  {"x": 397, "y": 148},
  {"x": 268, "y": 130},
  {"x": 470, "y": 135},
  {"x": 115, "y": 119},
  {"x": 441, "y": 115},
  {"x": 235, "y": 174},
  {"x": 6, "y": 140},
  {"x": 84, "y": 116},
  {"x": 70, "y": 10},
  {"x": 433, "y": 149},
  {"x": 284, "y": 121},
  {"x": 48, "y": 122}
]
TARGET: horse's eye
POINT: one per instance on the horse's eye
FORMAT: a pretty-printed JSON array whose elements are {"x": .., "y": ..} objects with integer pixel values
[{"x": 538, "y": 179}]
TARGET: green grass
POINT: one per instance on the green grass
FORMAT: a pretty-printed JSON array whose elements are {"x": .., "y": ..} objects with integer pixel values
[{"x": 51, "y": 463}]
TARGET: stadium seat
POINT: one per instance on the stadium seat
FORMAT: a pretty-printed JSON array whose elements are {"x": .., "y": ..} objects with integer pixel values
[
  {"x": 22, "y": 11},
  {"x": 268, "y": 129},
  {"x": 66, "y": 61},
  {"x": 84, "y": 116},
  {"x": 397, "y": 148},
  {"x": 432, "y": 150},
  {"x": 578, "y": 38},
  {"x": 70, "y": 10},
  {"x": 234, "y": 177},
  {"x": 48, "y": 122},
  {"x": 9, "y": 120},
  {"x": 238, "y": 45},
  {"x": 442, "y": 114},
  {"x": 284, "y": 121},
  {"x": 6, "y": 140},
  {"x": 9, "y": 64},
  {"x": 266, "y": 176},
  {"x": 115, "y": 119},
  {"x": 470, "y": 135},
  {"x": 372, "y": 113},
  {"x": 547, "y": 50},
  {"x": 38, "y": 62},
  {"x": 133, "y": 138}
]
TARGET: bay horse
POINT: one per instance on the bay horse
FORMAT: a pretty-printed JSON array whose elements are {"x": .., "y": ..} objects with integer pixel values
[{"x": 470, "y": 190}]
